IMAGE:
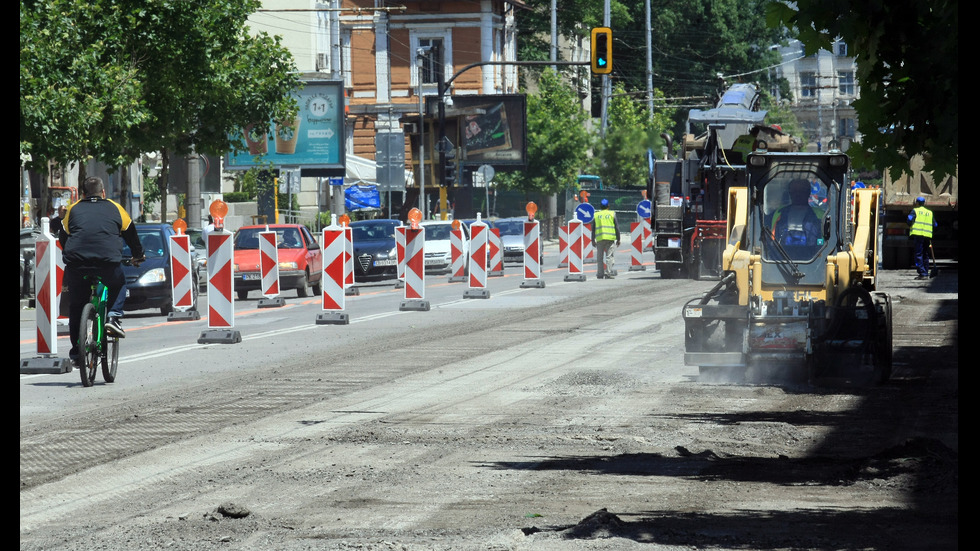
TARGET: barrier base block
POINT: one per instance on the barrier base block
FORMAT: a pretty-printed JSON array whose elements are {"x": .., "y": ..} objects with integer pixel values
[
  {"x": 352, "y": 291},
  {"x": 456, "y": 279},
  {"x": 332, "y": 318},
  {"x": 574, "y": 277},
  {"x": 184, "y": 316},
  {"x": 563, "y": 264},
  {"x": 63, "y": 328},
  {"x": 495, "y": 273},
  {"x": 399, "y": 284},
  {"x": 532, "y": 284},
  {"x": 638, "y": 268},
  {"x": 419, "y": 305},
  {"x": 274, "y": 302},
  {"x": 220, "y": 336},
  {"x": 51, "y": 365},
  {"x": 476, "y": 293}
]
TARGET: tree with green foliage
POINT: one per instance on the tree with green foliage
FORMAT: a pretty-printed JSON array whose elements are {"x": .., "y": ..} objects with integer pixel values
[
  {"x": 907, "y": 70},
  {"x": 111, "y": 79},
  {"x": 630, "y": 133},
  {"x": 558, "y": 139}
]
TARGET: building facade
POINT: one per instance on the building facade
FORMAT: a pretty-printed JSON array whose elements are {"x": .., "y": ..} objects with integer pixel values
[
  {"x": 390, "y": 55},
  {"x": 824, "y": 87}
]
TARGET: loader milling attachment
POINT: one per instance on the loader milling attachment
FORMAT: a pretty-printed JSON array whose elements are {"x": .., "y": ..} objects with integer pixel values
[{"x": 797, "y": 301}]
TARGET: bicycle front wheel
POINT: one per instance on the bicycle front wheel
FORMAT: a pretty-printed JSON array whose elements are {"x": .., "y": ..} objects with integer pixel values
[
  {"x": 88, "y": 345},
  {"x": 110, "y": 359}
]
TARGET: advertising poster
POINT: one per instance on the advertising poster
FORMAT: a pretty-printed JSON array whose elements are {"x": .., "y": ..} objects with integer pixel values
[
  {"x": 492, "y": 128},
  {"x": 313, "y": 140}
]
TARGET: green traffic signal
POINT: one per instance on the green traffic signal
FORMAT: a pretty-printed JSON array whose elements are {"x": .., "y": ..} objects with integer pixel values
[{"x": 601, "y": 50}]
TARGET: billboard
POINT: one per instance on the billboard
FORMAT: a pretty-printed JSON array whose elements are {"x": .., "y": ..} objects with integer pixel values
[
  {"x": 313, "y": 141},
  {"x": 491, "y": 128}
]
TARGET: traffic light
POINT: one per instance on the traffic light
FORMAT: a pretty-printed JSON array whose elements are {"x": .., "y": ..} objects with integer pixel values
[
  {"x": 601, "y": 50},
  {"x": 449, "y": 168}
]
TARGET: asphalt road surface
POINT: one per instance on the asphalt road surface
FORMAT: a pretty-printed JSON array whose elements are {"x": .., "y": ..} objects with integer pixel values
[{"x": 548, "y": 418}]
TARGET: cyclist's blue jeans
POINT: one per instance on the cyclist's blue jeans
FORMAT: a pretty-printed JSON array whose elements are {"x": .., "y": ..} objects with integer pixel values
[{"x": 78, "y": 293}]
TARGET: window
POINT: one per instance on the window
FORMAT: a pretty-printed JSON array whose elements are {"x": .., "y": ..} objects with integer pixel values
[
  {"x": 841, "y": 48},
  {"x": 847, "y": 127},
  {"x": 808, "y": 84},
  {"x": 430, "y": 64},
  {"x": 845, "y": 81}
]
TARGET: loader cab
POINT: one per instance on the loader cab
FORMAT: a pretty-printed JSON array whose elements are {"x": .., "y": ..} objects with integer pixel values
[{"x": 795, "y": 209}]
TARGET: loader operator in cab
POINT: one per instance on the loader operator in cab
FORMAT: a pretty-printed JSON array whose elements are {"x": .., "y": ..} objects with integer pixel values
[{"x": 798, "y": 223}]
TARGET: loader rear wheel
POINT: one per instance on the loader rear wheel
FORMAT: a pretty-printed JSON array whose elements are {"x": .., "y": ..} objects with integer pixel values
[{"x": 883, "y": 345}]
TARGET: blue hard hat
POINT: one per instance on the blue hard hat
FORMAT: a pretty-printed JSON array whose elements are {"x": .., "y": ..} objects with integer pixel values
[
  {"x": 920, "y": 200},
  {"x": 604, "y": 202}
]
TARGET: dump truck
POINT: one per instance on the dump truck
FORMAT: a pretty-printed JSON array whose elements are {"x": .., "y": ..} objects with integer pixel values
[
  {"x": 942, "y": 198},
  {"x": 798, "y": 297},
  {"x": 690, "y": 193}
]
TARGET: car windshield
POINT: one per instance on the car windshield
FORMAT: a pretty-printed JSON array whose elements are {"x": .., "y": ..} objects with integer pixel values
[
  {"x": 153, "y": 244},
  {"x": 373, "y": 231},
  {"x": 286, "y": 238},
  {"x": 438, "y": 232},
  {"x": 510, "y": 227}
]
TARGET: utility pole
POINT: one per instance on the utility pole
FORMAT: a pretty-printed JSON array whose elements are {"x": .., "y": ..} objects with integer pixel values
[
  {"x": 606, "y": 82},
  {"x": 649, "y": 63}
]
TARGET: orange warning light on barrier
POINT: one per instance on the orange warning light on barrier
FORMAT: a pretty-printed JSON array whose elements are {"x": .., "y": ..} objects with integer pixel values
[
  {"x": 532, "y": 209},
  {"x": 415, "y": 216},
  {"x": 457, "y": 224},
  {"x": 218, "y": 210},
  {"x": 343, "y": 220},
  {"x": 180, "y": 226}
]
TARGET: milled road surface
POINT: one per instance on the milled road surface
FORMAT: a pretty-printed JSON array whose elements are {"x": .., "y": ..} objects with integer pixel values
[{"x": 570, "y": 427}]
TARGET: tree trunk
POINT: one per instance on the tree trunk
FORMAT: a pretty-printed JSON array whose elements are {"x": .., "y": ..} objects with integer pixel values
[{"x": 162, "y": 183}]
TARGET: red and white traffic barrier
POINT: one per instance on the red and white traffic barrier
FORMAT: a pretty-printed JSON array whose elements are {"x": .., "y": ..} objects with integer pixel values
[
  {"x": 636, "y": 251},
  {"x": 495, "y": 246},
  {"x": 562, "y": 246},
  {"x": 46, "y": 286},
  {"x": 269, "y": 264},
  {"x": 415, "y": 264},
  {"x": 221, "y": 290},
  {"x": 46, "y": 290},
  {"x": 456, "y": 254},
  {"x": 59, "y": 285},
  {"x": 588, "y": 247},
  {"x": 478, "y": 260},
  {"x": 182, "y": 280},
  {"x": 334, "y": 274},
  {"x": 400, "y": 256},
  {"x": 532, "y": 255},
  {"x": 647, "y": 235},
  {"x": 349, "y": 287},
  {"x": 576, "y": 241}
]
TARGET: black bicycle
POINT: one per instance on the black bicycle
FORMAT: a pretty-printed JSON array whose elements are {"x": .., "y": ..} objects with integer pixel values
[{"x": 96, "y": 346}]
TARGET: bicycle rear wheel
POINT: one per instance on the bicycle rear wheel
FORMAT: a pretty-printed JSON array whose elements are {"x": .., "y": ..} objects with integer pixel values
[
  {"x": 110, "y": 359},
  {"x": 88, "y": 345}
]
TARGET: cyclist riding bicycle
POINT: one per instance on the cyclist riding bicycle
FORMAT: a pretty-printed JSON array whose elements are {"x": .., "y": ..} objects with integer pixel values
[{"x": 92, "y": 235}]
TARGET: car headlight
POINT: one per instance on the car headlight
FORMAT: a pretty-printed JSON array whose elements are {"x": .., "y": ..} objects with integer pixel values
[
  {"x": 288, "y": 265},
  {"x": 156, "y": 275}
]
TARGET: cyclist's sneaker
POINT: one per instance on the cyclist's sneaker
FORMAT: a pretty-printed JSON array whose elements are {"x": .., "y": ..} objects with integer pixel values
[{"x": 114, "y": 328}]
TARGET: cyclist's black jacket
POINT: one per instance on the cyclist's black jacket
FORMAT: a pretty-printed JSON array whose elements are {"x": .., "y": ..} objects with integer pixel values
[{"x": 92, "y": 228}]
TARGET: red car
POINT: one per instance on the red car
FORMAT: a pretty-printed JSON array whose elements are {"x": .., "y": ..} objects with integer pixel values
[{"x": 300, "y": 259}]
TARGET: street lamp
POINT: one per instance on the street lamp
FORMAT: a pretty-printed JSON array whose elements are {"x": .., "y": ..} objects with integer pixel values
[{"x": 420, "y": 62}]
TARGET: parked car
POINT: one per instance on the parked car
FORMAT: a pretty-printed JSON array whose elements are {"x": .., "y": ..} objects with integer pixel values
[
  {"x": 199, "y": 255},
  {"x": 438, "y": 245},
  {"x": 300, "y": 259},
  {"x": 512, "y": 238},
  {"x": 375, "y": 254},
  {"x": 28, "y": 243},
  {"x": 149, "y": 285}
]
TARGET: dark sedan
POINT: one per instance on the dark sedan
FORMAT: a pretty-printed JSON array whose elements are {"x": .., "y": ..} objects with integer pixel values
[
  {"x": 149, "y": 285},
  {"x": 375, "y": 254}
]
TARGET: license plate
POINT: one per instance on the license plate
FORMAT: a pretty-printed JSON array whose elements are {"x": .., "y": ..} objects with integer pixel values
[
  {"x": 250, "y": 276},
  {"x": 432, "y": 261},
  {"x": 385, "y": 262}
]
